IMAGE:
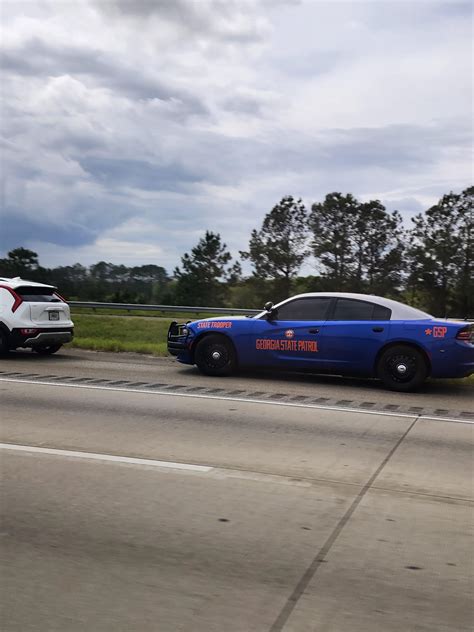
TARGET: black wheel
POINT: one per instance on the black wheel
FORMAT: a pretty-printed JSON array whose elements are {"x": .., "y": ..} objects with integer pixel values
[
  {"x": 402, "y": 368},
  {"x": 214, "y": 355},
  {"x": 4, "y": 346},
  {"x": 47, "y": 349}
]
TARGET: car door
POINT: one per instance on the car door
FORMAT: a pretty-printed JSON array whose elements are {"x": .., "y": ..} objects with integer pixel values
[
  {"x": 354, "y": 333},
  {"x": 293, "y": 338}
]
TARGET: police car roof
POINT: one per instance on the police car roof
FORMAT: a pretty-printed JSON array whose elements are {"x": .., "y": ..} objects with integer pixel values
[{"x": 400, "y": 311}]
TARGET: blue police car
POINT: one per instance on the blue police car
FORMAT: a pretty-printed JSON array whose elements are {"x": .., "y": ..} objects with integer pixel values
[{"x": 334, "y": 332}]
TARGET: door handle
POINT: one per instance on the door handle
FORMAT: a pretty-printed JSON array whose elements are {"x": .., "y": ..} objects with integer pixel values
[
  {"x": 377, "y": 329},
  {"x": 314, "y": 331}
]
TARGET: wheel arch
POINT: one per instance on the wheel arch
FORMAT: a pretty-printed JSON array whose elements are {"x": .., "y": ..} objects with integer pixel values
[
  {"x": 206, "y": 334},
  {"x": 405, "y": 343}
]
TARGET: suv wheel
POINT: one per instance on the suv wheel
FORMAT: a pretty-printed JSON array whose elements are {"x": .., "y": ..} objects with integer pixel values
[
  {"x": 47, "y": 349},
  {"x": 215, "y": 355},
  {"x": 402, "y": 368}
]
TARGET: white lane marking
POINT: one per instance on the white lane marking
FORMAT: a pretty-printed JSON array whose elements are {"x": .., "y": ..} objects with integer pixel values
[
  {"x": 105, "y": 457},
  {"x": 241, "y": 399}
]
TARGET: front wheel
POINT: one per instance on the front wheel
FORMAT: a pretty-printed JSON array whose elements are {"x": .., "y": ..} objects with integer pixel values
[
  {"x": 402, "y": 368},
  {"x": 215, "y": 355},
  {"x": 47, "y": 349}
]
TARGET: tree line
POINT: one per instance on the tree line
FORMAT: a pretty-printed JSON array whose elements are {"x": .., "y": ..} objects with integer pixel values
[{"x": 351, "y": 245}]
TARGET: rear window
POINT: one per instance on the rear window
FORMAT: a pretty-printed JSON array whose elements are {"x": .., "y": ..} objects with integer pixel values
[
  {"x": 38, "y": 295},
  {"x": 349, "y": 309}
]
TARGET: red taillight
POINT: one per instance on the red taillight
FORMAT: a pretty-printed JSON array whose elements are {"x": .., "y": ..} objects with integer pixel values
[
  {"x": 466, "y": 334},
  {"x": 17, "y": 300},
  {"x": 28, "y": 332}
]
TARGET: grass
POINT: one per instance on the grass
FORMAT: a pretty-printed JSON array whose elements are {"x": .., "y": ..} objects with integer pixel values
[{"x": 128, "y": 333}]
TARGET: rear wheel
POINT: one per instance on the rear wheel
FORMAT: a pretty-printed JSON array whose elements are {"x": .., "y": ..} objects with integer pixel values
[
  {"x": 47, "y": 349},
  {"x": 402, "y": 368},
  {"x": 215, "y": 355}
]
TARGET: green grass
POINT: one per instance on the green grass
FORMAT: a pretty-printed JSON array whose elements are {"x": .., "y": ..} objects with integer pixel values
[{"x": 128, "y": 333}]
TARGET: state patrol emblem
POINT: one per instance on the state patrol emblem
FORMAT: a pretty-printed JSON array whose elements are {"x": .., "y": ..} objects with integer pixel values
[{"x": 289, "y": 333}]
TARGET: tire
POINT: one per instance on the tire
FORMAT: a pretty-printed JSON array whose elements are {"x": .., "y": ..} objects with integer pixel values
[
  {"x": 214, "y": 355},
  {"x": 47, "y": 350},
  {"x": 402, "y": 368},
  {"x": 4, "y": 346}
]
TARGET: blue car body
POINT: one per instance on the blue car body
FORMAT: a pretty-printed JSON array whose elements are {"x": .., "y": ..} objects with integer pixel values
[{"x": 328, "y": 344}]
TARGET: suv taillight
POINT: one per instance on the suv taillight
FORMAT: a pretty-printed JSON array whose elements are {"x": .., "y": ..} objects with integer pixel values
[
  {"x": 17, "y": 300},
  {"x": 466, "y": 334}
]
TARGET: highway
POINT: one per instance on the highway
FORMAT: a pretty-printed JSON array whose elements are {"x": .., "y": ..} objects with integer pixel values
[{"x": 140, "y": 495}]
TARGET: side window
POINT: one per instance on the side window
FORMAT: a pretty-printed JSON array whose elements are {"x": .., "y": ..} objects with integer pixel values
[
  {"x": 350, "y": 309},
  {"x": 305, "y": 309},
  {"x": 381, "y": 313}
]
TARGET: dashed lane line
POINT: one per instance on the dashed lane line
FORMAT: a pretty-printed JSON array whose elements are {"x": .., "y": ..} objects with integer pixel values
[{"x": 244, "y": 400}]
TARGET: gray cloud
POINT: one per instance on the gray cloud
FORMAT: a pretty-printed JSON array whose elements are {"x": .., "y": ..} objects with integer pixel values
[
  {"x": 17, "y": 229},
  {"x": 224, "y": 20},
  {"x": 35, "y": 58},
  {"x": 137, "y": 173}
]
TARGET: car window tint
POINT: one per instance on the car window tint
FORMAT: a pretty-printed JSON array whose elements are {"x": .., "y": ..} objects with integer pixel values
[
  {"x": 348, "y": 309},
  {"x": 37, "y": 295},
  {"x": 304, "y": 309},
  {"x": 381, "y": 313}
]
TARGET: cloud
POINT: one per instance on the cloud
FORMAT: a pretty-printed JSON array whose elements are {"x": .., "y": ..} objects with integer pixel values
[{"x": 129, "y": 128}]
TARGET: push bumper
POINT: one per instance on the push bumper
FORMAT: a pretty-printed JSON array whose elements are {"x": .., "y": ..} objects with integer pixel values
[{"x": 177, "y": 336}]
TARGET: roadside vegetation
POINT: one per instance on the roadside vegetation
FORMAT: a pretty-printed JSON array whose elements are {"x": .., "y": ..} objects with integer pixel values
[{"x": 127, "y": 333}]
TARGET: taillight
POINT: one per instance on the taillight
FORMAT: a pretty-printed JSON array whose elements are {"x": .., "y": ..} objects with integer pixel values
[
  {"x": 17, "y": 300},
  {"x": 466, "y": 334},
  {"x": 28, "y": 332}
]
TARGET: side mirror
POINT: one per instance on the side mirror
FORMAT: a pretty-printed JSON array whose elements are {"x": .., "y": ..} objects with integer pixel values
[{"x": 271, "y": 310}]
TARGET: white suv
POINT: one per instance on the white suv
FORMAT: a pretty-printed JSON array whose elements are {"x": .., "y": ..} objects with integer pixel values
[{"x": 33, "y": 315}]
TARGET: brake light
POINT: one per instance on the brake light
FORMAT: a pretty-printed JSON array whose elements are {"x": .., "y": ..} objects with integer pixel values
[
  {"x": 28, "y": 332},
  {"x": 17, "y": 300},
  {"x": 466, "y": 334}
]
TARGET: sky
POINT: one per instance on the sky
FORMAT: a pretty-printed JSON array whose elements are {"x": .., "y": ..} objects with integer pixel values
[{"x": 128, "y": 129}]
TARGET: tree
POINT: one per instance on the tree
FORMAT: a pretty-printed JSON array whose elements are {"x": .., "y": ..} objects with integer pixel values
[
  {"x": 441, "y": 254},
  {"x": 201, "y": 281},
  {"x": 378, "y": 248},
  {"x": 20, "y": 262},
  {"x": 278, "y": 249},
  {"x": 332, "y": 225},
  {"x": 358, "y": 244}
]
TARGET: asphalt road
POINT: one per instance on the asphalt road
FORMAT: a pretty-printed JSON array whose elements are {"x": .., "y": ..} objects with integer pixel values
[{"x": 139, "y": 495}]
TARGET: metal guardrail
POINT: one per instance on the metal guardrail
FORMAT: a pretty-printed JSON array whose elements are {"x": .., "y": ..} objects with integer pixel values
[
  {"x": 166, "y": 308},
  {"x": 130, "y": 307}
]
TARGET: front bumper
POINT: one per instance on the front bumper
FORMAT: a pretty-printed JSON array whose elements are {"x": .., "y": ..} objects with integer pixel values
[
  {"x": 177, "y": 339},
  {"x": 42, "y": 337}
]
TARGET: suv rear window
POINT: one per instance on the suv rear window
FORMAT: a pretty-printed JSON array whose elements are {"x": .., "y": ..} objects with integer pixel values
[{"x": 37, "y": 295}]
